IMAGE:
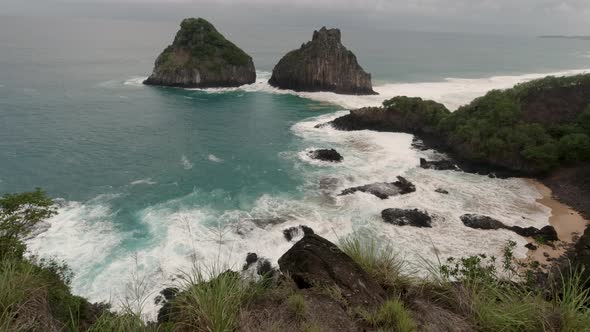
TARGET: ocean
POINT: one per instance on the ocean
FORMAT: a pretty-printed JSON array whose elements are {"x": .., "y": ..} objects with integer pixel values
[{"x": 150, "y": 180}]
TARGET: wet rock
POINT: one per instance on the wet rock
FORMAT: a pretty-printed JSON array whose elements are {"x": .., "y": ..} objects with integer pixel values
[
  {"x": 165, "y": 298},
  {"x": 402, "y": 217},
  {"x": 316, "y": 262},
  {"x": 524, "y": 231},
  {"x": 440, "y": 165},
  {"x": 292, "y": 232},
  {"x": 330, "y": 155},
  {"x": 323, "y": 64},
  {"x": 530, "y": 246},
  {"x": 442, "y": 191},
  {"x": 384, "y": 190},
  {"x": 481, "y": 222},
  {"x": 251, "y": 258},
  {"x": 547, "y": 234}
]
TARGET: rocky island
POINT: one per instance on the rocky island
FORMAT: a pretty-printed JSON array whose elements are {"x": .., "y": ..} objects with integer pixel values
[
  {"x": 201, "y": 57},
  {"x": 323, "y": 64}
]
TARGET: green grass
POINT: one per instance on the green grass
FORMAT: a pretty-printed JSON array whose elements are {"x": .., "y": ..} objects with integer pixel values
[
  {"x": 381, "y": 262},
  {"x": 297, "y": 305},
  {"x": 211, "y": 301},
  {"x": 391, "y": 316}
]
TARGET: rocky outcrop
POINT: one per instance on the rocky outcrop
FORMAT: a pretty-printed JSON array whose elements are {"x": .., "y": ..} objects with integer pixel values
[
  {"x": 545, "y": 234},
  {"x": 317, "y": 262},
  {"x": 323, "y": 64},
  {"x": 384, "y": 190},
  {"x": 330, "y": 155},
  {"x": 402, "y": 217},
  {"x": 441, "y": 165},
  {"x": 293, "y": 232},
  {"x": 201, "y": 57}
]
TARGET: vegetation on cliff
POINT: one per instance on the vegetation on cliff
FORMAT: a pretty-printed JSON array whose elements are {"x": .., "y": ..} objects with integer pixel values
[
  {"x": 531, "y": 128},
  {"x": 200, "y": 56}
]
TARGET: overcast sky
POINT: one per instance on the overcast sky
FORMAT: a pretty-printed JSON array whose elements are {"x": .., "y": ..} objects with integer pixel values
[{"x": 485, "y": 16}]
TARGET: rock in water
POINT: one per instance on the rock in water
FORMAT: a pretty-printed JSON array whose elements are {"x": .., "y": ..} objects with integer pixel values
[
  {"x": 330, "y": 155},
  {"x": 322, "y": 64},
  {"x": 317, "y": 262},
  {"x": 481, "y": 222},
  {"x": 384, "y": 190},
  {"x": 403, "y": 217},
  {"x": 200, "y": 57}
]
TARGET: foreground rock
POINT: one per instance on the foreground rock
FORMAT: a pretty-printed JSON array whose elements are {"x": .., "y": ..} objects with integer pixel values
[
  {"x": 384, "y": 190},
  {"x": 545, "y": 234},
  {"x": 201, "y": 57},
  {"x": 316, "y": 262},
  {"x": 403, "y": 217},
  {"x": 326, "y": 155},
  {"x": 322, "y": 64}
]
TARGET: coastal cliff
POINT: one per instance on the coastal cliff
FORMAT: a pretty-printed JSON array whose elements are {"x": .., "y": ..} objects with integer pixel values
[
  {"x": 201, "y": 57},
  {"x": 531, "y": 129},
  {"x": 323, "y": 64}
]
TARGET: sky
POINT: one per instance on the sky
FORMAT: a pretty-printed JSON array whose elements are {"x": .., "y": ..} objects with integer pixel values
[{"x": 534, "y": 17}]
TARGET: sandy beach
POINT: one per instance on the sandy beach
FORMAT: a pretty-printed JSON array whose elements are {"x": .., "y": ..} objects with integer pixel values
[{"x": 568, "y": 224}]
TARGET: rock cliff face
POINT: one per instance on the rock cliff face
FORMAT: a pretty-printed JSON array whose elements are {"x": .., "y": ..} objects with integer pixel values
[
  {"x": 322, "y": 64},
  {"x": 200, "y": 57}
]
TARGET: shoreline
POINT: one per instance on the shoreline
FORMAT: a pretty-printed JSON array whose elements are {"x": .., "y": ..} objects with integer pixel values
[{"x": 568, "y": 223}]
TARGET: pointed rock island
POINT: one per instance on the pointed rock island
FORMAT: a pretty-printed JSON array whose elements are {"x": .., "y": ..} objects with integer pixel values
[
  {"x": 322, "y": 64},
  {"x": 201, "y": 57}
]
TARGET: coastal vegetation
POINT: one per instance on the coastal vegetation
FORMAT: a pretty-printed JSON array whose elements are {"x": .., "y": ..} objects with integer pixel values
[
  {"x": 477, "y": 293},
  {"x": 531, "y": 128}
]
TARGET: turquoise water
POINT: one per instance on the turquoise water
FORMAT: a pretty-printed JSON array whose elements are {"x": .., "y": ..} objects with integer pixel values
[{"x": 151, "y": 178}]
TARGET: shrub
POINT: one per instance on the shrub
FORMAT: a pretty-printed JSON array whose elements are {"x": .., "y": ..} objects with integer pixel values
[
  {"x": 392, "y": 316},
  {"x": 297, "y": 304}
]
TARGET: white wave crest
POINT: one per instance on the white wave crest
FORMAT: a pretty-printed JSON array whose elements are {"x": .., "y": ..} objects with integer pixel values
[
  {"x": 186, "y": 164},
  {"x": 147, "y": 181},
  {"x": 214, "y": 158}
]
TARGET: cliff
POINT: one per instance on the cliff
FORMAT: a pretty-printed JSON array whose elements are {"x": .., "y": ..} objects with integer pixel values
[
  {"x": 323, "y": 64},
  {"x": 201, "y": 57},
  {"x": 531, "y": 129}
]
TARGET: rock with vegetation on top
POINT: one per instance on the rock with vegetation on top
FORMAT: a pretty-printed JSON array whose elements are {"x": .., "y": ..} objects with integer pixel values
[
  {"x": 322, "y": 64},
  {"x": 317, "y": 262},
  {"x": 201, "y": 57}
]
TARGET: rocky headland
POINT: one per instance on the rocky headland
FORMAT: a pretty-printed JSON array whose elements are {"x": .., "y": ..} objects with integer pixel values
[
  {"x": 323, "y": 64},
  {"x": 201, "y": 57}
]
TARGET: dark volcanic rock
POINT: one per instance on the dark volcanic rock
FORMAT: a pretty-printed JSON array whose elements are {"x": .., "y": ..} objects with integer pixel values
[
  {"x": 251, "y": 258},
  {"x": 530, "y": 246},
  {"x": 547, "y": 233},
  {"x": 481, "y": 222},
  {"x": 165, "y": 298},
  {"x": 325, "y": 155},
  {"x": 442, "y": 191},
  {"x": 200, "y": 57},
  {"x": 292, "y": 232},
  {"x": 440, "y": 165},
  {"x": 384, "y": 190},
  {"x": 322, "y": 64},
  {"x": 315, "y": 261},
  {"x": 403, "y": 217}
]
